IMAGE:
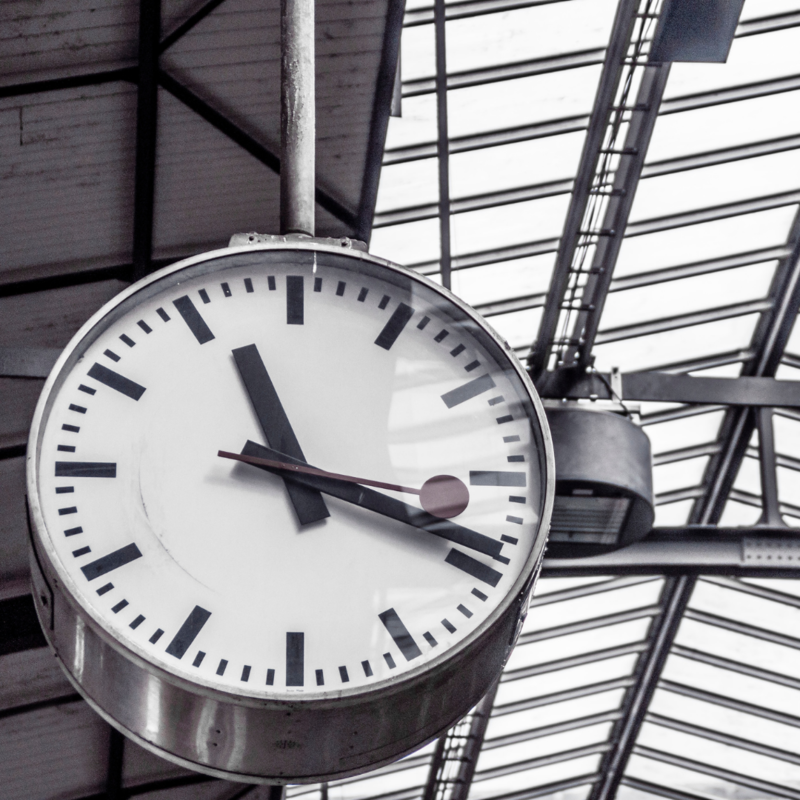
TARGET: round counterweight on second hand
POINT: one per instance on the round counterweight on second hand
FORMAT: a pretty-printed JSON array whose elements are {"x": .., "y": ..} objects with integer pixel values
[{"x": 444, "y": 496}]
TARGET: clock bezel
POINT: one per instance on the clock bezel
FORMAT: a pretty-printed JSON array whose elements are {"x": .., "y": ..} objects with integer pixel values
[{"x": 334, "y": 698}]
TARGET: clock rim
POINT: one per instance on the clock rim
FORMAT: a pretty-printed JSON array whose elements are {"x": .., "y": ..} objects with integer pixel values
[{"x": 523, "y": 583}]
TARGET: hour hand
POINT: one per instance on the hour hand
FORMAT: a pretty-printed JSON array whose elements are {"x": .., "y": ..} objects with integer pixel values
[
  {"x": 375, "y": 501},
  {"x": 307, "y": 501}
]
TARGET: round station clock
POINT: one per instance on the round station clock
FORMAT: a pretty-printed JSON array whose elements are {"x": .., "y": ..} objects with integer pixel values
[{"x": 287, "y": 502}]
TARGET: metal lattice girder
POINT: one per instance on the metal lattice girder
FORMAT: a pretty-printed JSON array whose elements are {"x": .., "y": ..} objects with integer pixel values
[{"x": 610, "y": 77}]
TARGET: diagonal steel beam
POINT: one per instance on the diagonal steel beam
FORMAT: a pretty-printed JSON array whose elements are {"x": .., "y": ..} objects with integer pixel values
[
  {"x": 768, "y": 344},
  {"x": 146, "y": 128},
  {"x": 674, "y": 599},
  {"x": 610, "y": 77}
]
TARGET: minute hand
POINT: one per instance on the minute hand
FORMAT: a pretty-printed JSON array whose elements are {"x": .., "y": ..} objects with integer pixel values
[{"x": 376, "y": 501}]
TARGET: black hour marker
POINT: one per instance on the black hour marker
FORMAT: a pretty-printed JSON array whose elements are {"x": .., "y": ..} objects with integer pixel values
[
  {"x": 509, "y": 439},
  {"x": 127, "y": 339},
  {"x": 70, "y": 428},
  {"x": 449, "y": 625},
  {"x": 509, "y": 539},
  {"x": 137, "y": 622},
  {"x": 119, "y": 558},
  {"x": 515, "y": 520},
  {"x": 271, "y": 282},
  {"x": 87, "y": 389},
  {"x": 116, "y": 381},
  {"x": 367, "y": 668},
  {"x": 430, "y": 639},
  {"x": 493, "y": 401},
  {"x": 384, "y": 302},
  {"x": 504, "y": 419},
  {"x": 144, "y": 326},
  {"x": 223, "y": 663},
  {"x": 294, "y": 299},
  {"x": 295, "y": 658},
  {"x": 362, "y": 295},
  {"x": 394, "y": 327},
  {"x": 64, "y": 511},
  {"x": 79, "y": 409},
  {"x": 468, "y": 390},
  {"x": 156, "y": 636},
  {"x": 441, "y": 336},
  {"x": 472, "y": 365},
  {"x": 515, "y": 499},
  {"x": 464, "y": 610},
  {"x": 204, "y": 296},
  {"x": 457, "y": 351},
  {"x": 473, "y": 567},
  {"x": 226, "y": 290},
  {"x": 198, "y": 659},
  {"x": 340, "y": 288},
  {"x": 163, "y": 314},
  {"x": 481, "y": 477},
  {"x": 191, "y": 316},
  {"x": 245, "y": 674},
  {"x": 320, "y": 677},
  {"x": 398, "y": 631},
  {"x": 248, "y": 285},
  {"x": 103, "y": 589},
  {"x": 66, "y": 448},
  {"x": 480, "y": 595},
  {"x": 65, "y": 489},
  {"x": 317, "y": 284},
  {"x": 81, "y": 552},
  {"x": 85, "y": 469},
  {"x": 270, "y": 677},
  {"x": 343, "y": 675},
  {"x": 188, "y": 632},
  {"x": 111, "y": 354},
  {"x": 389, "y": 660},
  {"x": 119, "y": 606},
  {"x": 73, "y": 531}
]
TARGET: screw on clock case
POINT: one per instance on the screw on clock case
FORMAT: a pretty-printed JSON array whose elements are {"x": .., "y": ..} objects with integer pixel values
[{"x": 276, "y": 740}]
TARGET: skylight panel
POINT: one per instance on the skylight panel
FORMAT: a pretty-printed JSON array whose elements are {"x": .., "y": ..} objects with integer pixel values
[
  {"x": 407, "y": 244},
  {"x": 678, "y": 474},
  {"x": 519, "y": 328},
  {"x": 689, "y": 295},
  {"x": 767, "y": 8},
  {"x": 752, "y": 59},
  {"x": 518, "y": 278},
  {"x": 601, "y": 702},
  {"x": 379, "y": 783},
  {"x": 718, "y": 185},
  {"x": 670, "y": 515},
  {"x": 685, "y": 432},
  {"x": 724, "y": 237},
  {"x": 546, "y": 586},
  {"x": 689, "y": 342},
  {"x": 537, "y": 776},
  {"x": 726, "y": 720},
  {"x": 416, "y": 126},
  {"x": 728, "y": 125},
  {"x": 528, "y": 33},
  {"x": 743, "y": 607},
  {"x": 543, "y": 746},
  {"x": 527, "y": 163},
  {"x": 737, "y": 514},
  {"x": 418, "y": 53},
  {"x": 511, "y": 103},
  {"x": 749, "y": 477},
  {"x": 411, "y": 184}
]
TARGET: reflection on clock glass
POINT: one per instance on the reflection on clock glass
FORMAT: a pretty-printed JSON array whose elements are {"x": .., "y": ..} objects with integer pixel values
[{"x": 234, "y": 570}]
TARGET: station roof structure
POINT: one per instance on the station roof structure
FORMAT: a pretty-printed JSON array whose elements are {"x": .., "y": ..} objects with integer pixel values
[{"x": 604, "y": 210}]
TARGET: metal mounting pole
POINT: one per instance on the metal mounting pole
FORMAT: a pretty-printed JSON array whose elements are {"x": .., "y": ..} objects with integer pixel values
[{"x": 298, "y": 125}]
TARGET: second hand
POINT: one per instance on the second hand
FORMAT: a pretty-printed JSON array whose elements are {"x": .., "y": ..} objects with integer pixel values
[{"x": 443, "y": 496}]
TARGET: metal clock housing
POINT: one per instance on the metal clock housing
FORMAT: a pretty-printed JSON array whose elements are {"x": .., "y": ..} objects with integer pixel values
[{"x": 287, "y": 503}]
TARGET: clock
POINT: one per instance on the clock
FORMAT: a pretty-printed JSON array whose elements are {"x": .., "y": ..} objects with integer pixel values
[{"x": 288, "y": 501}]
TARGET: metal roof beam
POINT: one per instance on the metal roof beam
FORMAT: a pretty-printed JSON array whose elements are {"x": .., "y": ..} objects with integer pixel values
[
  {"x": 675, "y": 597},
  {"x": 146, "y": 129},
  {"x": 613, "y": 69}
]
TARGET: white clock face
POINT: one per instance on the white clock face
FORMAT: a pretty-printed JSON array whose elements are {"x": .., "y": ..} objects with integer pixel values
[{"x": 243, "y": 579}]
